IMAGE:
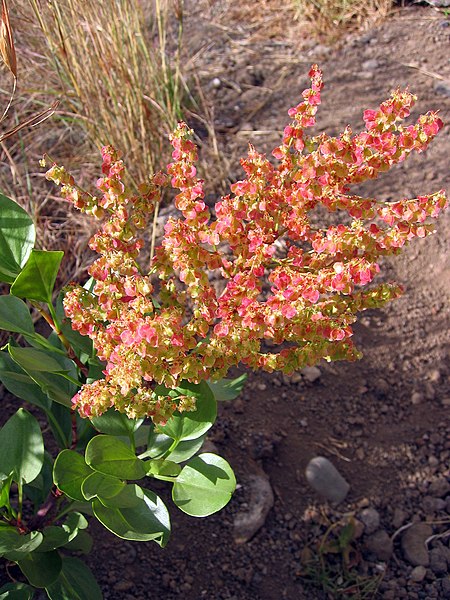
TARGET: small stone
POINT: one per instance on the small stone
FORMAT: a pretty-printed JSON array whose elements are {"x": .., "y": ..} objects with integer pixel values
[
  {"x": 123, "y": 586},
  {"x": 247, "y": 523},
  {"x": 380, "y": 544},
  {"x": 417, "y": 398},
  {"x": 311, "y": 374},
  {"x": 370, "y": 65},
  {"x": 413, "y": 544},
  {"x": 418, "y": 574},
  {"x": 432, "y": 505},
  {"x": 326, "y": 480},
  {"x": 399, "y": 517},
  {"x": 216, "y": 83},
  {"x": 261, "y": 387},
  {"x": 443, "y": 88},
  {"x": 446, "y": 588},
  {"x": 439, "y": 487},
  {"x": 296, "y": 377},
  {"x": 438, "y": 562},
  {"x": 371, "y": 519}
]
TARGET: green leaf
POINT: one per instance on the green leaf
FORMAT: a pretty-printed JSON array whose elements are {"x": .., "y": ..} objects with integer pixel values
[
  {"x": 56, "y": 536},
  {"x": 111, "y": 456},
  {"x": 166, "y": 468},
  {"x": 22, "y": 447},
  {"x": 37, "y": 279},
  {"x": 101, "y": 486},
  {"x": 69, "y": 472},
  {"x": 16, "y": 591},
  {"x": 204, "y": 486},
  {"x": 15, "y": 546},
  {"x": 227, "y": 389},
  {"x": 15, "y": 315},
  {"x": 147, "y": 520},
  {"x": 49, "y": 371},
  {"x": 17, "y": 236},
  {"x": 19, "y": 383},
  {"x": 75, "y": 582},
  {"x": 31, "y": 359},
  {"x": 41, "y": 568},
  {"x": 159, "y": 444},
  {"x": 113, "y": 422},
  {"x": 81, "y": 543},
  {"x": 128, "y": 497},
  {"x": 5, "y": 487},
  {"x": 191, "y": 425},
  {"x": 39, "y": 489}
]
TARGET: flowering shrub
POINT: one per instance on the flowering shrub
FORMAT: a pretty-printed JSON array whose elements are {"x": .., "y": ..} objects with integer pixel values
[{"x": 157, "y": 327}]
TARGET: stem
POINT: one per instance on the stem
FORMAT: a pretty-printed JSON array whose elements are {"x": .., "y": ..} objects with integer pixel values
[
  {"x": 73, "y": 416},
  {"x": 20, "y": 502},
  {"x": 153, "y": 241},
  {"x": 171, "y": 449}
]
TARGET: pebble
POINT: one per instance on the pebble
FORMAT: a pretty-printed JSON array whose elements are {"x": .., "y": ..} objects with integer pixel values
[
  {"x": 418, "y": 574},
  {"x": 380, "y": 544},
  {"x": 417, "y": 398},
  {"x": 216, "y": 83},
  {"x": 370, "y": 65},
  {"x": 311, "y": 374},
  {"x": 438, "y": 562},
  {"x": 439, "y": 487},
  {"x": 247, "y": 523},
  {"x": 326, "y": 480},
  {"x": 399, "y": 517},
  {"x": 371, "y": 519},
  {"x": 413, "y": 544},
  {"x": 446, "y": 588},
  {"x": 432, "y": 505}
]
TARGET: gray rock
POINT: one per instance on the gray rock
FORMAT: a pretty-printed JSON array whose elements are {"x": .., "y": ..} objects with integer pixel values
[
  {"x": 446, "y": 588},
  {"x": 413, "y": 544},
  {"x": 326, "y": 480},
  {"x": 438, "y": 562},
  {"x": 370, "y": 65},
  {"x": 439, "y": 487},
  {"x": 399, "y": 517},
  {"x": 311, "y": 374},
  {"x": 380, "y": 544},
  {"x": 443, "y": 88},
  {"x": 418, "y": 574},
  {"x": 371, "y": 519},
  {"x": 433, "y": 505},
  {"x": 247, "y": 523}
]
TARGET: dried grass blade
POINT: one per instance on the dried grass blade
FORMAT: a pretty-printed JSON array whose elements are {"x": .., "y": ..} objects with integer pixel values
[
  {"x": 32, "y": 122},
  {"x": 7, "y": 49}
]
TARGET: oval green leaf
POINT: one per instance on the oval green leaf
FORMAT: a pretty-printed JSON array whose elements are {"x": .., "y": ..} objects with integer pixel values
[
  {"x": 17, "y": 237},
  {"x": 22, "y": 447},
  {"x": 204, "y": 486},
  {"x": 191, "y": 425},
  {"x": 75, "y": 582},
  {"x": 37, "y": 278},
  {"x": 112, "y": 422},
  {"x": 98, "y": 485},
  {"x": 41, "y": 568},
  {"x": 225, "y": 390},
  {"x": 69, "y": 472},
  {"x": 147, "y": 520},
  {"x": 16, "y": 591},
  {"x": 15, "y": 315},
  {"x": 15, "y": 546},
  {"x": 109, "y": 455}
]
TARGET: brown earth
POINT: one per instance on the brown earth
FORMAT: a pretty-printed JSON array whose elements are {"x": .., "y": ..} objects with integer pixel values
[{"x": 383, "y": 421}]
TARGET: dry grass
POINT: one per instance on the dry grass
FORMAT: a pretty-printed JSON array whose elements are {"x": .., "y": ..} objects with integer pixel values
[
  {"x": 110, "y": 60},
  {"x": 329, "y": 19}
]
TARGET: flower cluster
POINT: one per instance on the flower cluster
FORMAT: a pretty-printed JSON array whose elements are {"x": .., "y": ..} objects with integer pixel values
[{"x": 170, "y": 323}]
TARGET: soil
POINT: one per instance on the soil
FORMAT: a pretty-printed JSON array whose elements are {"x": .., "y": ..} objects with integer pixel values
[{"x": 383, "y": 421}]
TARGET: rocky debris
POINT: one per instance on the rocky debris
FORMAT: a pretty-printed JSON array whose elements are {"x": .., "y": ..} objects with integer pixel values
[
  {"x": 439, "y": 487},
  {"x": 399, "y": 517},
  {"x": 413, "y": 544},
  {"x": 326, "y": 480},
  {"x": 418, "y": 574},
  {"x": 438, "y": 561},
  {"x": 247, "y": 523},
  {"x": 371, "y": 519},
  {"x": 311, "y": 374},
  {"x": 380, "y": 544}
]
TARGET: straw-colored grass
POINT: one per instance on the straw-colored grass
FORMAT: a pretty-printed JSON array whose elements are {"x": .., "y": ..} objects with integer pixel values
[
  {"x": 331, "y": 18},
  {"x": 118, "y": 71}
]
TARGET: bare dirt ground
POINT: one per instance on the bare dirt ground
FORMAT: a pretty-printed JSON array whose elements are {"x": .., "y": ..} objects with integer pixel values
[{"x": 383, "y": 421}]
